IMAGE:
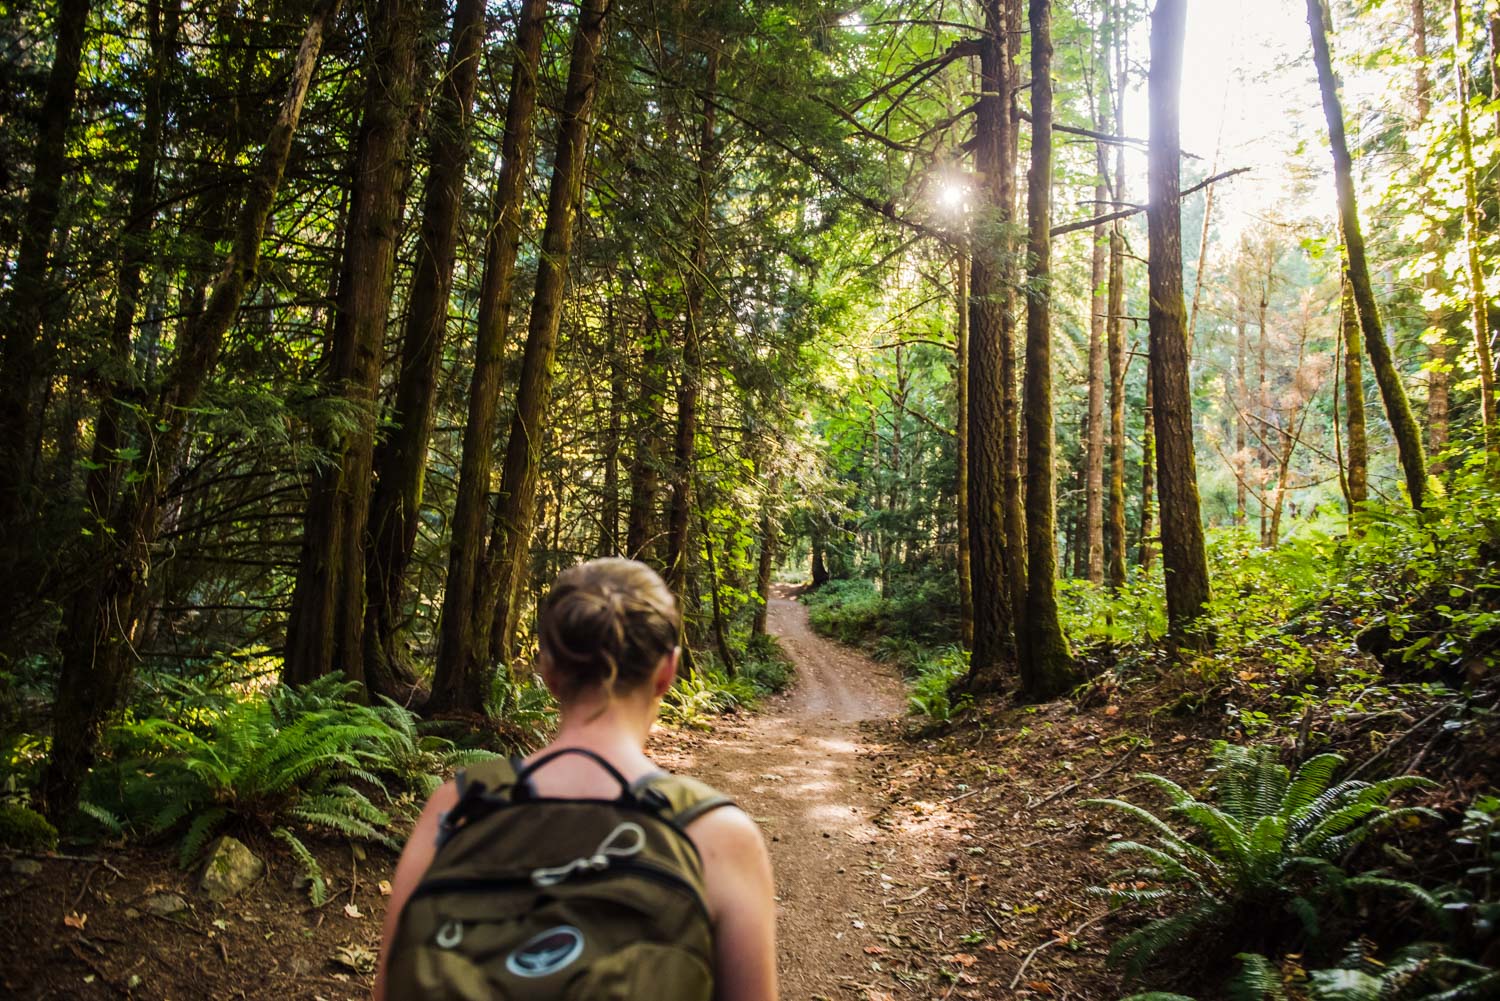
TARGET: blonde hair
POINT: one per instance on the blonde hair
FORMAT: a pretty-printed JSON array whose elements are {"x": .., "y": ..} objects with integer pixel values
[{"x": 606, "y": 624}]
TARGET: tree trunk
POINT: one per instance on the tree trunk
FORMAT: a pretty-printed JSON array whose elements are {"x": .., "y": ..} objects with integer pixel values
[
  {"x": 101, "y": 618},
  {"x": 1115, "y": 327},
  {"x": 1046, "y": 663},
  {"x": 325, "y": 629},
  {"x": 769, "y": 531},
  {"x": 26, "y": 337},
  {"x": 1146, "y": 552},
  {"x": 993, "y": 654},
  {"x": 401, "y": 459},
  {"x": 1478, "y": 300},
  {"x": 961, "y": 388},
  {"x": 1354, "y": 400},
  {"x": 28, "y": 331},
  {"x": 463, "y": 634},
  {"x": 1093, "y": 489},
  {"x": 645, "y": 462},
  {"x": 1183, "y": 557},
  {"x": 1397, "y": 407},
  {"x": 515, "y": 507},
  {"x": 1013, "y": 495},
  {"x": 1432, "y": 279},
  {"x": 721, "y": 635},
  {"x": 609, "y": 507},
  {"x": 1241, "y": 406},
  {"x": 690, "y": 376}
]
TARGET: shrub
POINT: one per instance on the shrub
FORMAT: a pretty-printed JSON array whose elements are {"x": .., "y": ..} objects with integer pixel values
[
  {"x": 766, "y": 665},
  {"x": 25, "y": 830},
  {"x": 930, "y": 689},
  {"x": 699, "y": 695},
  {"x": 306, "y": 756},
  {"x": 1273, "y": 844}
]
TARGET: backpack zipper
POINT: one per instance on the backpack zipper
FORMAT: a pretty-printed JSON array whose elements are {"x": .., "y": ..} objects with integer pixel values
[{"x": 456, "y": 884}]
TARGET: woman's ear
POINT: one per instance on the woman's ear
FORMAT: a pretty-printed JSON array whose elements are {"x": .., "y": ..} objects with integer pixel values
[{"x": 666, "y": 673}]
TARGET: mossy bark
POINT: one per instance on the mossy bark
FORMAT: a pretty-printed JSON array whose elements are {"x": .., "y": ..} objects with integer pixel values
[
  {"x": 1393, "y": 393},
  {"x": 1046, "y": 663},
  {"x": 1184, "y": 559},
  {"x": 463, "y": 632}
]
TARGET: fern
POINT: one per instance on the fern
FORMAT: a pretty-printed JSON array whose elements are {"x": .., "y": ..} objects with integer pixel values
[
  {"x": 1269, "y": 842},
  {"x": 308, "y": 755},
  {"x": 317, "y": 887}
]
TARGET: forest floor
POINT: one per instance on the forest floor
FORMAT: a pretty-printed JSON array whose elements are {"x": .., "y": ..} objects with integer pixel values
[{"x": 908, "y": 864}]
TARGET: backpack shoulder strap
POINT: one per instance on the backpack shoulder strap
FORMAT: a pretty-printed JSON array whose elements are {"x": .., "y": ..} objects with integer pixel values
[
  {"x": 491, "y": 777},
  {"x": 680, "y": 799},
  {"x": 482, "y": 787}
]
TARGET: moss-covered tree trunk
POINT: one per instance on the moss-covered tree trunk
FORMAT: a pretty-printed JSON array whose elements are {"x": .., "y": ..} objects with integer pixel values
[
  {"x": 1093, "y": 517},
  {"x": 961, "y": 390},
  {"x": 1392, "y": 392},
  {"x": 1354, "y": 399},
  {"x": 463, "y": 633},
  {"x": 993, "y": 654},
  {"x": 102, "y": 616},
  {"x": 506, "y": 561},
  {"x": 1115, "y": 327},
  {"x": 1046, "y": 664},
  {"x": 26, "y": 339},
  {"x": 1479, "y": 308},
  {"x": 401, "y": 459},
  {"x": 1432, "y": 276},
  {"x": 325, "y": 628},
  {"x": 1183, "y": 557},
  {"x": 689, "y": 376}
]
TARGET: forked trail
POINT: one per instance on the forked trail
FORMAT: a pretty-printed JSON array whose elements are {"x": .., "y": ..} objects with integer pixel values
[{"x": 804, "y": 769}]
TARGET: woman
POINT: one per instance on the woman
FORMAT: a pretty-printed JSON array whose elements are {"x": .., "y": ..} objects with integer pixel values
[{"x": 609, "y": 632}]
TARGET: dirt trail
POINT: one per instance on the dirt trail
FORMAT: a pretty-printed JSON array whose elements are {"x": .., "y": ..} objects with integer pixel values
[{"x": 803, "y": 768}]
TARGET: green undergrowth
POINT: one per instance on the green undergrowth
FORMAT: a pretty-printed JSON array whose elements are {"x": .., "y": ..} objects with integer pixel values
[
  {"x": 912, "y": 628},
  {"x": 1306, "y": 884},
  {"x": 710, "y": 690},
  {"x": 195, "y": 762}
]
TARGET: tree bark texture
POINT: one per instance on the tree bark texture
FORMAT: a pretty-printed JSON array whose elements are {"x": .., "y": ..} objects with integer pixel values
[
  {"x": 1093, "y": 517},
  {"x": 102, "y": 616},
  {"x": 401, "y": 459},
  {"x": 1479, "y": 312},
  {"x": 1354, "y": 400},
  {"x": 961, "y": 389},
  {"x": 1432, "y": 279},
  {"x": 1183, "y": 557},
  {"x": 325, "y": 628},
  {"x": 27, "y": 339},
  {"x": 1046, "y": 663},
  {"x": 993, "y": 655},
  {"x": 1115, "y": 327},
  {"x": 689, "y": 377},
  {"x": 506, "y": 561},
  {"x": 1392, "y": 392},
  {"x": 463, "y": 630}
]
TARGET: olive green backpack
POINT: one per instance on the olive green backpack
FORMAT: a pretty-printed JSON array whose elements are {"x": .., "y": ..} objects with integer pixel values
[{"x": 530, "y": 897}]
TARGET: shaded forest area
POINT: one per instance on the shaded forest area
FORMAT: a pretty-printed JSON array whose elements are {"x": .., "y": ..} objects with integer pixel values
[{"x": 330, "y": 333}]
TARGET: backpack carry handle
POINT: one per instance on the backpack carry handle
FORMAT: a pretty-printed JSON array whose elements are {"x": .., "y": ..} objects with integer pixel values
[{"x": 524, "y": 790}]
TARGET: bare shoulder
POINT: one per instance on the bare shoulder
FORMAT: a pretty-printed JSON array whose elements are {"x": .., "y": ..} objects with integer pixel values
[{"x": 729, "y": 829}]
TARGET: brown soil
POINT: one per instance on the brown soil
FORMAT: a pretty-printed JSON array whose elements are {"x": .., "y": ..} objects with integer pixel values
[{"x": 807, "y": 770}]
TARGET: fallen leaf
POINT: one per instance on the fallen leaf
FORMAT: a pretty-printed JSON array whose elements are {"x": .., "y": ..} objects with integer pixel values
[
  {"x": 385, "y": 888},
  {"x": 76, "y": 920},
  {"x": 874, "y": 950},
  {"x": 350, "y": 910},
  {"x": 962, "y": 959},
  {"x": 355, "y": 957},
  {"x": 1111, "y": 710}
]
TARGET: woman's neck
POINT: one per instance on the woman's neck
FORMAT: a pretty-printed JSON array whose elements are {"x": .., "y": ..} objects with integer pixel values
[{"x": 619, "y": 729}]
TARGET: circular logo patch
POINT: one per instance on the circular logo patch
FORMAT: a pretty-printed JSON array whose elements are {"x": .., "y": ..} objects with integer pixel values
[{"x": 545, "y": 954}]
